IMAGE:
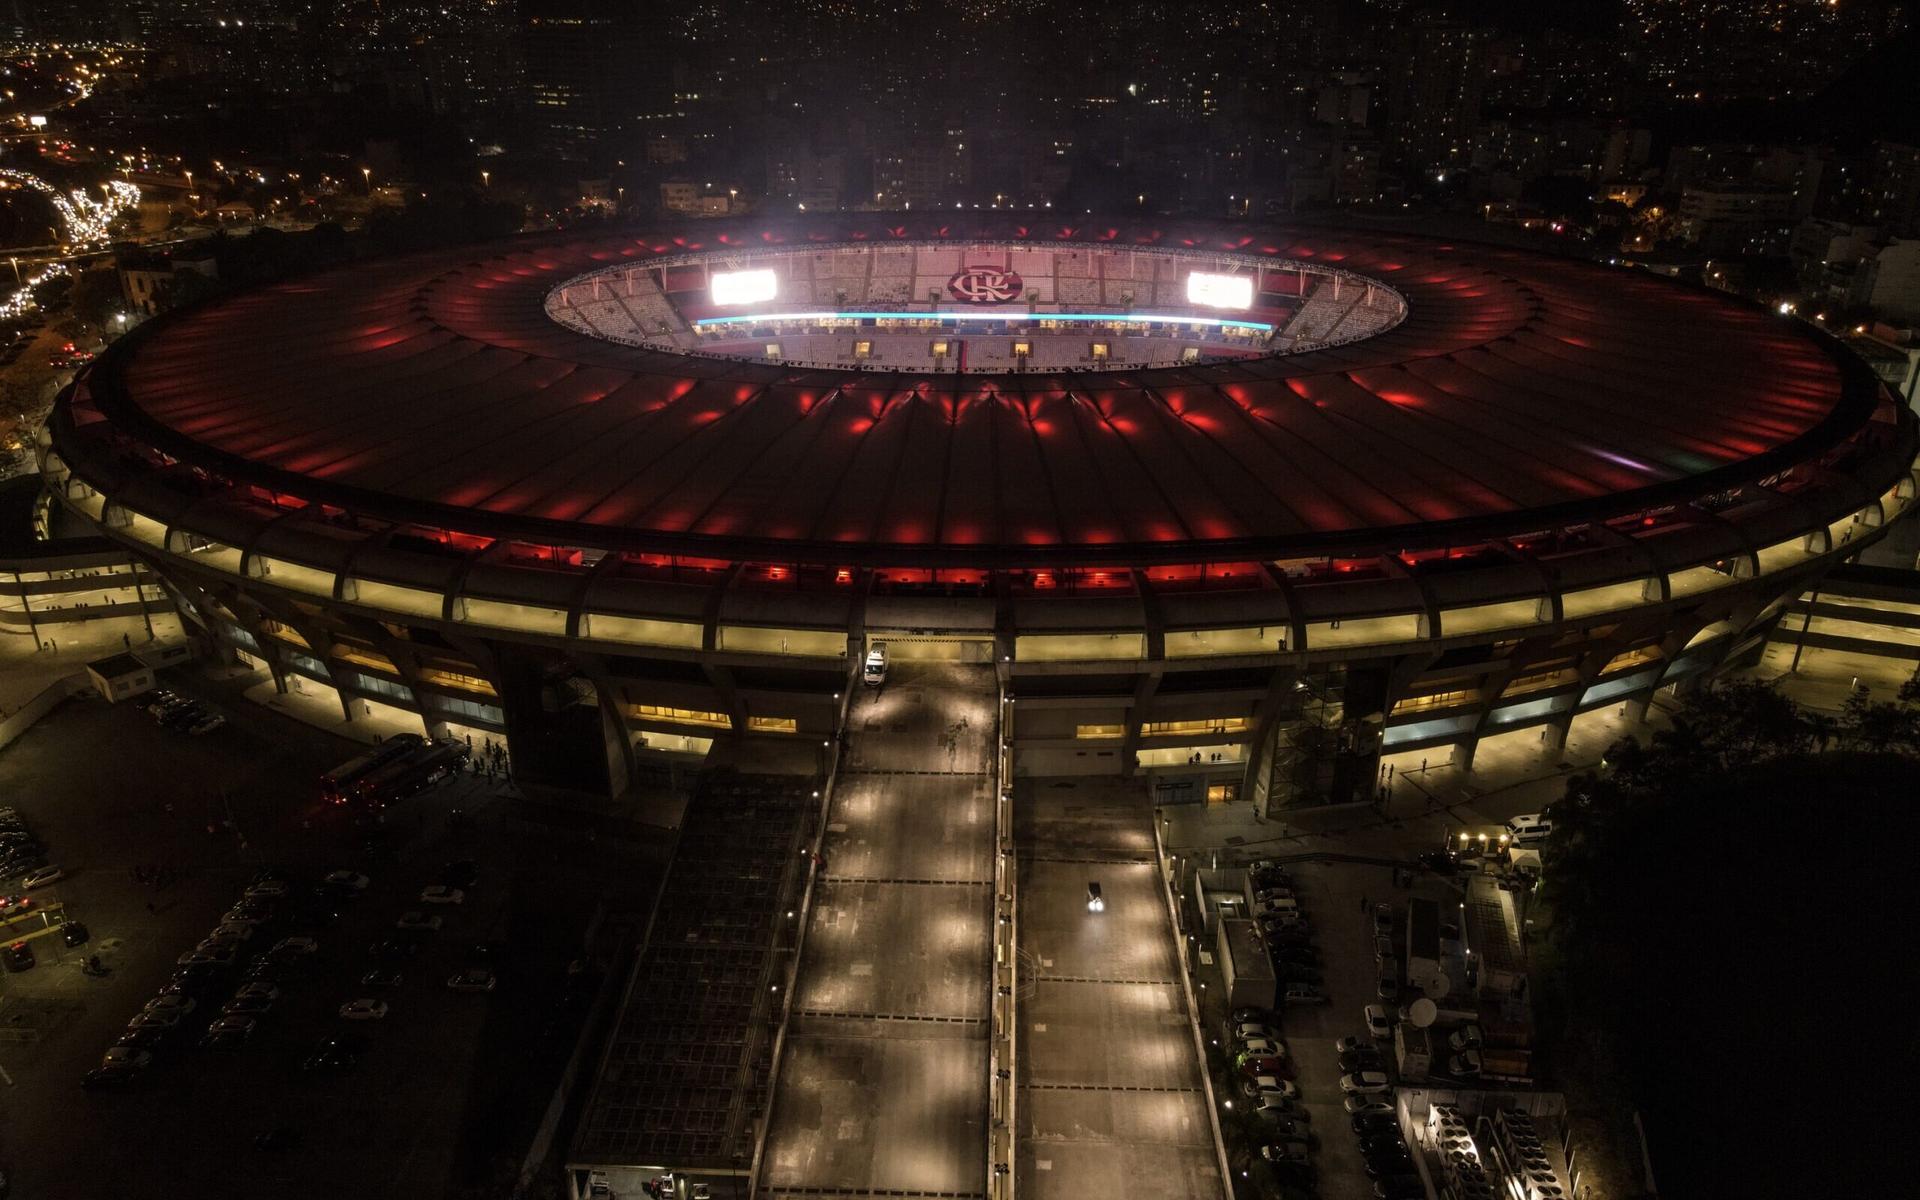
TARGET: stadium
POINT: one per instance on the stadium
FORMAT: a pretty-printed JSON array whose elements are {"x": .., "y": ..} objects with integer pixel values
[{"x": 1192, "y": 488}]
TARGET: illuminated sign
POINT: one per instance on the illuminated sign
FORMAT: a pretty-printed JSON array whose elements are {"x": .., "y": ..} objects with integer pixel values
[
  {"x": 1220, "y": 291},
  {"x": 985, "y": 285},
  {"x": 743, "y": 287},
  {"x": 37, "y": 121}
]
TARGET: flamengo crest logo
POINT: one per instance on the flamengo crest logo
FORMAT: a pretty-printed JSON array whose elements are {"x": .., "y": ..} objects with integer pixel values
[{"x": 985, "y": 285}]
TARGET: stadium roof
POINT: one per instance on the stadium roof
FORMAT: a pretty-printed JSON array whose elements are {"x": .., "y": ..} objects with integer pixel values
[{"x": 1520, "y": 392}]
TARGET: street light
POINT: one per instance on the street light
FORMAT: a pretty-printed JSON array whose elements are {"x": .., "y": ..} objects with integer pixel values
[
  {"x": 486, "y": 179},
  {"x": 366, "y": 174}
]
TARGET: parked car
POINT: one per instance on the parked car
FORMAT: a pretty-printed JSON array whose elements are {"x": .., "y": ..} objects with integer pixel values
[
  {"x": 1467, "y": 1062},
  {"x": 42, "y": 877},
  {"x": 1383, "y": 919},
  {"x": 1378, "y": 1023},
  {"x": 1467, "y": 1037},
  {"x": 419, "y": 922},
  {"x": 1255, "y": 1029},
  {"x": 335, "y": 1053},
  {"x": 1243, "y": 1015},
  {"x": 141, "y": 1039},
  {"x": 1366, "y": 1083},
  {"x": 1295, "y": 1152},
  {"x": 441, "y": 894},
  {"x": 381, "y": 977},
  {"x": 1369, "y": 1106},
  {"x": 345, "y": 882},
  {"x": 1253, "y": 1088},
  {"x": 1305, "y": 993},
  {"x": 233, "y": 1025},
  {"x": 267, "y": 889},
  {"x": 1361, "y": 1060},
  {"x": 1388, "y": 988},
  {"x": 363, "y": 1010},
  {"x": 1372, "y": 1124},
  {"x": 247, "y": 1006},
  {"x": 386, "y": 951},
  {"x": 296, "y": 945},
  {"x": 178, "y": 1003},
  {"x": 473, "y": 979},
  {"x": 1381, "y": 1143},
  {"x": 1264, "y": 1047},
  {"x": 259, "y": 989},
  {"x": 1264, "y": 1064},
  {"x": 107, "y": 1077}
]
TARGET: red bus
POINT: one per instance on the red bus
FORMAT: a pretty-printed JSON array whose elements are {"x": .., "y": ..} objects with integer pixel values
[{"x": 338, "y": 785}]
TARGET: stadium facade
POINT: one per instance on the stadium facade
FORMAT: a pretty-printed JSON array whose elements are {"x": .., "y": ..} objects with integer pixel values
[{"x": 1241, "y": 507}]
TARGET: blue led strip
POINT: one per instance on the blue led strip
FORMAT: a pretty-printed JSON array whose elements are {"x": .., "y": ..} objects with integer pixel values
[{"x": 1021, "y": 316}]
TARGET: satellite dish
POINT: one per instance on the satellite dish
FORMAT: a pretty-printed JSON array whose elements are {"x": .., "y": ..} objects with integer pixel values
[{"x": 1422, "y": 1013}]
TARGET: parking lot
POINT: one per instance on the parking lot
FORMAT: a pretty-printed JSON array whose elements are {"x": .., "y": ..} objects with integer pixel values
[
  {"x": 449, "y": 1083},
  {"x": 1339, "y": 900}
]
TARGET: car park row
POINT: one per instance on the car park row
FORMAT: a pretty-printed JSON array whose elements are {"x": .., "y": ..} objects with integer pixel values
[{"x": 224, "y": 994}]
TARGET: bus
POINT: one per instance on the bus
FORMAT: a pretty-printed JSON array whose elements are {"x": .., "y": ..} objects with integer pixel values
[
  {"x": 337, "y": 785},
  {"x": 429, "y": 763}
]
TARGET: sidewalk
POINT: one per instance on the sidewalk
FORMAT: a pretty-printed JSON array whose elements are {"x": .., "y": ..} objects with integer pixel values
[{"x": 26, "y": 669}]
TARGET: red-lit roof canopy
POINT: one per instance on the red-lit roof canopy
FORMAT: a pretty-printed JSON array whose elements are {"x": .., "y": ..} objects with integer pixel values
[{"x": 1521, "y": 391}]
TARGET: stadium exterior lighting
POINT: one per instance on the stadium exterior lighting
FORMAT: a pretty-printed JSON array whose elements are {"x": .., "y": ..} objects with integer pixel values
[
  {"x": 1211, "y": 290},
  {"x": 987, "y": 314},
  {"x": 744, "y": 287}
]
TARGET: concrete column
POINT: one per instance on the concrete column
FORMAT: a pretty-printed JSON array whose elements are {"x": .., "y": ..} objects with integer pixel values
[
  {"x": 1635, "y": 709},
  {"x": 1553, "y": 735},
  {"x": 1463, "y": 752}
]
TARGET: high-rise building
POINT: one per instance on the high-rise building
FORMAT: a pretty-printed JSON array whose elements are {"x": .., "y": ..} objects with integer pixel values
[
  {"x": 584, "y": 78},
  {"x": 1433, "y": 94}
]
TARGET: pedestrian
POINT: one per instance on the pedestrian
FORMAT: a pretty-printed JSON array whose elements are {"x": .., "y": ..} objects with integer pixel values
[
  {"x": 1423, "y": 766},
  {"x": 126, "y": 640}
]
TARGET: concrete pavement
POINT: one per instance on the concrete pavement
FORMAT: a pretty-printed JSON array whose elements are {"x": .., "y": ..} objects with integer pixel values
[
  {"x": 884, "y": 1084},
  {"x": 1112, "y": 1099}
]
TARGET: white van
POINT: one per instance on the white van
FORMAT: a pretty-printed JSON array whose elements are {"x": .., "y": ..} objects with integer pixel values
[
  {"x": 1534, "y": 827},
  {"x": 874, "y": 673}
]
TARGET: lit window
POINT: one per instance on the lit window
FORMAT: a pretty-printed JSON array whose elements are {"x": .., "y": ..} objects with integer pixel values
[
  {"x": 1098, "y": 731},
  {"x": 773, "y": 725},
  {"x": 1190, "y": 354},
  {"x": 1204, "y": 725},
  {"x": 773, "y": 349},
  {"x": 1022, "y": 349},
  {"x": 680, "y": 716},
  {"x": 863, "y": 349},
  {"x": 939, "y": 349},
  {"x": 1099, "y": 352}
]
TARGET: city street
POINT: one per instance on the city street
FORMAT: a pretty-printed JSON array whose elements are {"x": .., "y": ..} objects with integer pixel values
[{"x": 884, "y": 1082}]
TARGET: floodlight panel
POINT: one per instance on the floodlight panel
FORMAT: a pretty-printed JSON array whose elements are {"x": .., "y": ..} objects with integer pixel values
[
  {"x": 743, "y": 287},
  {"x": 1220, "y": 291}
]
